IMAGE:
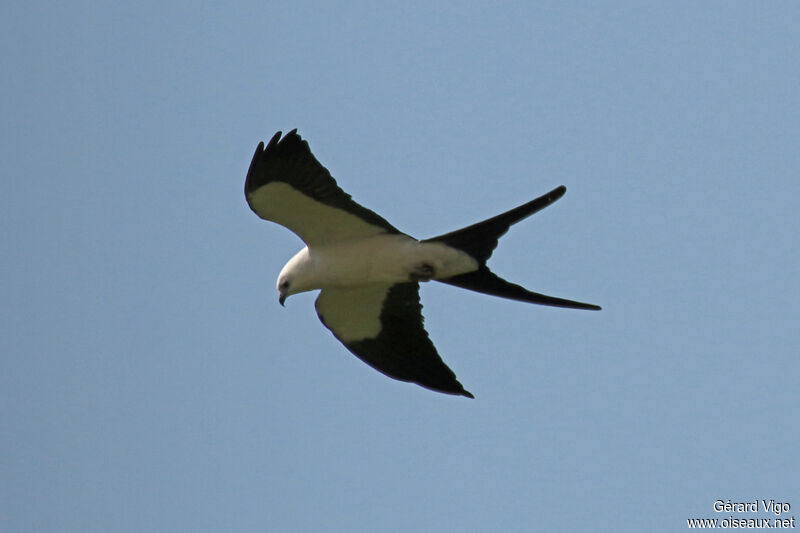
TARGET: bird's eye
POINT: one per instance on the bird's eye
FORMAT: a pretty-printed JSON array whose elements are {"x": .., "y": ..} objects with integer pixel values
[{"x": 284, "y": 285}]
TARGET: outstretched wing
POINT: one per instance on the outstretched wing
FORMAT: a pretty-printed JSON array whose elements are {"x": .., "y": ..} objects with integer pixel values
[
  {"x": 383, "y": 326},
  {"x": 286, "y": 184}
]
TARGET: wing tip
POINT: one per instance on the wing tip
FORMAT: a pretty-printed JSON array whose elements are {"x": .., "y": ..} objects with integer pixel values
[
  {"x": 454, "y": 389},
  {"x": 275, "y": 138},
  {"x": 278, "y": 140},
  {"x": 263, "y": 153}
]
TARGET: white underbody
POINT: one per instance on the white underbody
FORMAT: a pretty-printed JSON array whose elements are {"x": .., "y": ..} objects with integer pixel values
[
  {"x": 347, "y": 251},
  {"x": 377, "y": 259}
]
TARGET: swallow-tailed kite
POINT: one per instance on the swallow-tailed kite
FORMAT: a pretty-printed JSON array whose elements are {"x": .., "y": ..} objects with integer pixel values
[{"x": 369, "y": 271}]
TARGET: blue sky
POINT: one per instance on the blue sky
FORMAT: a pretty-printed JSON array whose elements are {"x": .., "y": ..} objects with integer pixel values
[{"x": 151, "y": 381}]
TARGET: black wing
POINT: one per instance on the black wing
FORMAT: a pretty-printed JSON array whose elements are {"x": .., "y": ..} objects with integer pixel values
[
  {"x": 383, "y": 326},
  {"x": 286, "y": 184}
]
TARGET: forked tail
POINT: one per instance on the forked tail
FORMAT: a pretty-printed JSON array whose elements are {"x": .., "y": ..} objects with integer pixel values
[{"x": 479, "y": 241}]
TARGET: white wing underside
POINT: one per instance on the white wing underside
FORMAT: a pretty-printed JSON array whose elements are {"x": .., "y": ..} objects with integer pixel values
[
  {"x": 352, "y": 314},
  {"x": 314, "y": 222}
]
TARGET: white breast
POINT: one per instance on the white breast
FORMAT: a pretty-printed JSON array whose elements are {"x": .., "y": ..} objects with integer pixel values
[{"x": 385, "y": 258}]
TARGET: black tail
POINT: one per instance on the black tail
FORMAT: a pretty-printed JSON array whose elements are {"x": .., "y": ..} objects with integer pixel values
[{"x": 480, "y": 240}]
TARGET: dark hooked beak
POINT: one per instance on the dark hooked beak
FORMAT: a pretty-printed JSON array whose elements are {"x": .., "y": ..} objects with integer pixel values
[{"x": 281, "y": 299}]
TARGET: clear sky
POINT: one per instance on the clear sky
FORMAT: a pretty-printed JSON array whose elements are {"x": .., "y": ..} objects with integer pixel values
[{"x": 151, "y": 382}]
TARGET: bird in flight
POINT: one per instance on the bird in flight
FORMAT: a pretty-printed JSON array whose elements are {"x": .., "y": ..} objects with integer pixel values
[{"x": 368, "y": 271}]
